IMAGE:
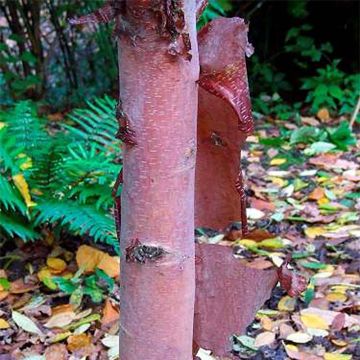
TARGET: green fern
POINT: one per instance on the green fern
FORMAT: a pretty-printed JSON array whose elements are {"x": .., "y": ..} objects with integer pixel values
[
  {"x": 13, "y": 226},
  {"x": 70, "y": 173},
  {"x": 81, "y": 219},
  {"x": 10, "y": 198}
]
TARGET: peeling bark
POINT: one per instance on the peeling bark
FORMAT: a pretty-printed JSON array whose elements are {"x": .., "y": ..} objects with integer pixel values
[
  {"x": 159, "y": 97},
  {"x": 224, "y": 121},
  {"x": 228, "y": 294}
]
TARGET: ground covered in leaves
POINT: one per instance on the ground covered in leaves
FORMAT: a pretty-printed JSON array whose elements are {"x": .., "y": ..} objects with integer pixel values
[{"x": 60, "y": 300}]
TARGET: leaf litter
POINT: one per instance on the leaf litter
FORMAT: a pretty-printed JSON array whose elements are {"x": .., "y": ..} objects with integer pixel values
[{"x": 61, "y": 300}]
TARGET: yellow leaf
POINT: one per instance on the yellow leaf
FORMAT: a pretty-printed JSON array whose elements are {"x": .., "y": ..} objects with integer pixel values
[
  {"x": 88, "y": 257},
  {"x": 247, "y": 243},
  {"x": 323, "y": 114},
  {"x": 314, "y": 321},
  {"x": 275, "y": 243},
  {"x": 56, "y": 264},
  {"x": 110, "y": 265},
  {"x": 4, "y": 324},
  {"x": 266, "y": 323},
  {"x": 278, "y": 181},
  {"x": 23, "y": 187},
  {"x": 78, "y": 342},
  {"x": 336, "y": 296},
  {"x": 287, "y": 303},
  {"x": 277, "y": 161},
  {"x": 314, "y": 231},
  {"x": 339, "y": 342},
  {"x": 337, "y": 356},
  {"x": 323, "y": 201},
  {"x": 27, "y": 164}
]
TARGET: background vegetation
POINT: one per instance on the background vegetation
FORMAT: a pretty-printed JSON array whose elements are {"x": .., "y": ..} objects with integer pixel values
[{"x": 57, "y": 164}]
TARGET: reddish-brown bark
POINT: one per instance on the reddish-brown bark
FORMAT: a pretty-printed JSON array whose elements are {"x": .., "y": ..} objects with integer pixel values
[
  {"x": 228, "y": 294},
  {"x": 224, "y": 121},
  {"x": 158, "y": 91}
]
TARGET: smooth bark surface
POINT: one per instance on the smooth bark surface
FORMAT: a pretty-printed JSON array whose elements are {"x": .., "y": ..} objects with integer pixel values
[{"x": 158, "y": 92}]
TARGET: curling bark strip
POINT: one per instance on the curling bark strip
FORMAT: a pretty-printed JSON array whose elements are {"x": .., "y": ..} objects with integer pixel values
[
  {"x": 159, "y": 96},
  {"x": 224, "y": 121}
]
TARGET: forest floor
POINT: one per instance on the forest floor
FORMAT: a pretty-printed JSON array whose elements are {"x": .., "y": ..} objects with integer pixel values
[{"x": 60, "y": 300}]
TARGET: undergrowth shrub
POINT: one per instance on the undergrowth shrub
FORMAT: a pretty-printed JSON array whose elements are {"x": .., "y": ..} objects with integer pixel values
[{"x": 60, "y": 178}]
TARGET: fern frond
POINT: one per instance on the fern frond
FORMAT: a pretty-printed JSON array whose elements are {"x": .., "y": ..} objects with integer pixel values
[
  {"x": 9, "y": 152},
  {"x": 95, "y": 125},
  {"x": 10, "y": 198},
  {"x": 13, "y": 226},
  {"x": 26, "y": 127},
  {"x": 79, "y": 219}
]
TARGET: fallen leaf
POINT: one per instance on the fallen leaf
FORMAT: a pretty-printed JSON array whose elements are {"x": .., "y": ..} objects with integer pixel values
[
  {"x": 88, "y": 258},
  {"x": 56, "y": 265},
  {"x": 314, "y": 231},
  {"x": 293, "y": 283},
  {"x": 25, "y": 323},
  {"x": 56, "y": 352},
  {"x": 317, "y": 194},
  {"x": 265, "y": 338},
  {"x": 3, "y": 295},
  {"x": 277, "y": 161},
  {"x": 110, "y": 313},
  {"x": 314, "y": 321},
  {"x": 336, "y": 296},
  {"x": 62, "y": 316},
  {"x": 323, "y": 114},
  {"x": 78, "y": 342},
  {"x": 4, "y": 324},
  {"x": 23, "y": 187},
  {"x": 287, "y": 303},
  {"x": 254, "y": 214},
  {"x": 110, "y": 265},
  {"x": 299, "y": 337},
  {"x": 337, "y": 356}
]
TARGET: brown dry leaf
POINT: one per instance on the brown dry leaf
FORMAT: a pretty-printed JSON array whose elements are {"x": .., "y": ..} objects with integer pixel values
[
  {"x": 110, "y": 313},
  {"x": 56, "y": 352},
  {"x": 285, "y": 330},
  {"x": 317, "y": 194},
  {"x": 3, "y": 295},
  {"x": 110, "y": 265},
  {"x": 265, "y": 338},
  {"x": 19, "y": 287},
  {"x": 3, "y": 274},
  {"x": 58, "y": 116},
  {"x": 56, "y": 265},
  {"x": 323, "y": 114},
  {"x": 338, "y": 323},
  {"x": 62, "y": 315},
  {"x": 293, "y": 283},
  {"x": 78, "y": 342}
]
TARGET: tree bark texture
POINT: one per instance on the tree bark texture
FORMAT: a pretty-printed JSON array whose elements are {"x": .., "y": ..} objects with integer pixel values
[{"x": 158, "y": 94}]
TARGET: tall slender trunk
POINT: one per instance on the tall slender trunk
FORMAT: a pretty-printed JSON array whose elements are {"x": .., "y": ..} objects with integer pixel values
[{"x": 158, "y": 98}]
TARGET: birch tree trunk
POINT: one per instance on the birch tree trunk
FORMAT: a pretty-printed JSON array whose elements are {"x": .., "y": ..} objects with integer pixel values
[{"x": 158, "y": 93}]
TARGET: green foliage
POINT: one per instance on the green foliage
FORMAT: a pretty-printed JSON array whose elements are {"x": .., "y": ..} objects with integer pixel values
[
  {"x": 93, "y": 285},
  {"x": 214, "y": 9},
  {"x": 67, "y": 174}
]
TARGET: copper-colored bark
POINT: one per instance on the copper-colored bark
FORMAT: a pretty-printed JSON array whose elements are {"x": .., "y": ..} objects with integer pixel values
[
  {"x": 158, "y": 91},
  {"x": 228, "y": 294},
  {"x": 224, "y": 120}
]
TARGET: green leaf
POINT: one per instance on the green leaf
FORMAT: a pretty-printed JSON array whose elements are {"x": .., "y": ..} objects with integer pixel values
[
  {"x": 319, "y": 147},
  {"x": 247, "y": 341},
  {"x": 4, "y": 283},
  {"x": 65, "y": 285},
  {"x": 105, "y": 278},
  {"x": 313, "y": 265}
]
